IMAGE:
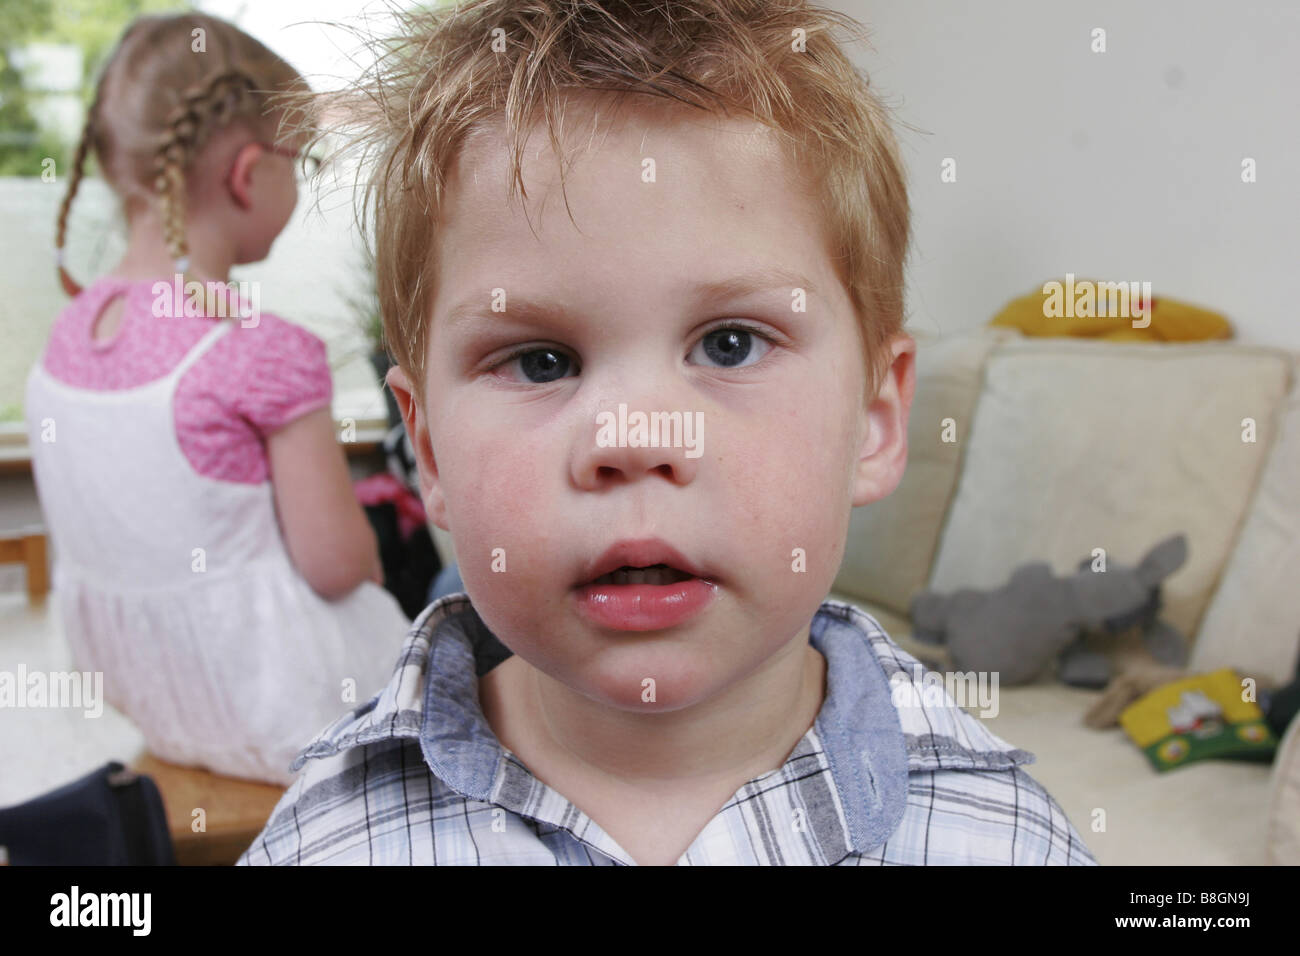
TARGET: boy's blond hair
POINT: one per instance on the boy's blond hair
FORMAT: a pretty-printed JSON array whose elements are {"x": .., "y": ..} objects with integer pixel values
[
  {"x": 168, "y": 84},
  {"x": 451, "y": 71}
]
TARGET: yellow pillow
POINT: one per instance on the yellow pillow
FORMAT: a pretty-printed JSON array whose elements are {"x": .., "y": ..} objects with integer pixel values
[{"x": 1066, "y": 311}]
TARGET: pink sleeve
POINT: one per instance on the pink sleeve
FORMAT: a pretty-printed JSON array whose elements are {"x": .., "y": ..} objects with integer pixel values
[{"x": 289, "y": 376}]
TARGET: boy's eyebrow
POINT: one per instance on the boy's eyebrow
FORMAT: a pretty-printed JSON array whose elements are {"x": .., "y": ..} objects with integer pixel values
[
  {"x": 756, "y": 280},
  {"x": 542, "y": 309}
]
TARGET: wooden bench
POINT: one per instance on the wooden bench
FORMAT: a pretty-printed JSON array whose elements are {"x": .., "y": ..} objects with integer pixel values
[
  {"x": 234, "y": 811},
  {"x": 28, "y": 547}
]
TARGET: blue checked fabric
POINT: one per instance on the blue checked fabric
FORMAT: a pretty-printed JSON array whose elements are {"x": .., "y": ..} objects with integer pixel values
[{"x": 416, "y": 775}]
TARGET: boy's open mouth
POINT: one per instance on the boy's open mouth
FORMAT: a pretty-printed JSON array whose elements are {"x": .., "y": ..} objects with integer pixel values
[
  {"x": 643, "y": 585},
  {"x": 645, "y": 561},
  {"x": 654, "y": 574}
]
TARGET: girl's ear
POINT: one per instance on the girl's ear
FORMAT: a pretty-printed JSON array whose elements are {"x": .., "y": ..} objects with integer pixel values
[{"x": 239, "y": 181}]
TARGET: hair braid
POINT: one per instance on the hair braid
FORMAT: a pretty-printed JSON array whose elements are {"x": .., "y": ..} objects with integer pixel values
[
  {"x": 201, "y": 110},
  {"x": 70, "y": 285}
]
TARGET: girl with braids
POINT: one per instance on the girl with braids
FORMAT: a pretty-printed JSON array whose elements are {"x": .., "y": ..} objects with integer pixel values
[{"x": 211, "y": 559}]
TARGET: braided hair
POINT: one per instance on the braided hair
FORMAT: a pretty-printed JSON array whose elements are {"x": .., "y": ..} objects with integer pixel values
[
  {"x": 61, "y": 229},
  {"x": 159, "y": 99},
  {"x": 201, "y": 110}
]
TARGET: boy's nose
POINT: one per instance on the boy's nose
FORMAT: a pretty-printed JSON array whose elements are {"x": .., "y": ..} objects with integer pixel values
[{"x": 626, "y": 443}]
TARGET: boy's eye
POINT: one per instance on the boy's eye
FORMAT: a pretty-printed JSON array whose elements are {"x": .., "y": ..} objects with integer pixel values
[
  {"x": 728, "y": 346},
  {"x": 540, "y": 366},
  {"x": 732, "y": 345}
]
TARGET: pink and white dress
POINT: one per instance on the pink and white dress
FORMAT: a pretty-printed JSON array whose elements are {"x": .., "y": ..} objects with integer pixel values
[{"x": 170, "y": 573}]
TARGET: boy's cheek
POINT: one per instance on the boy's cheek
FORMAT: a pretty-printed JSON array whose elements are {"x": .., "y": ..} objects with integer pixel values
[
  {"x": 799, "y": 541},
  {"x": 503, "y": 529}
]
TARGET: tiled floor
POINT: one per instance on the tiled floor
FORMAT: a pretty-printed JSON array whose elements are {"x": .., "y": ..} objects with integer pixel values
[{"x": 44, "y": 748}]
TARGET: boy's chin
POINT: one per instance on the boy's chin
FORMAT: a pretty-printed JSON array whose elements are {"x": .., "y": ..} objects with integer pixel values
[{"x": 647, "y": 693}]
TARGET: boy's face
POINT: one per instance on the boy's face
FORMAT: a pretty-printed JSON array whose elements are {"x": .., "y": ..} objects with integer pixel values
[{"x": 510, "y": 451}]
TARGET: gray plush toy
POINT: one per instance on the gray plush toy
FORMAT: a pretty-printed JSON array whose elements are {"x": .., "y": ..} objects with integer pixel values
[{"x": 1019, "y": 628}]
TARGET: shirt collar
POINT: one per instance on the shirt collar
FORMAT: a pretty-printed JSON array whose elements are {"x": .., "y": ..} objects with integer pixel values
[{"x": 879, "y": 722}]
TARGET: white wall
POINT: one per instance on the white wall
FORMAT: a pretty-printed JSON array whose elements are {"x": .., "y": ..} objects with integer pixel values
[{"x": 1117, "y": 165}]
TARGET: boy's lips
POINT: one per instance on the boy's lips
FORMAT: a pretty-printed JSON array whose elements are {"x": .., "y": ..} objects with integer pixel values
[
  {"x": 638, "y": 553},
  {"x": 620, "y": 604}
]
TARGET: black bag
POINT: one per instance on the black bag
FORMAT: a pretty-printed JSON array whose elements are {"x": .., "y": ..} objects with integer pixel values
[
  {"x": 410, "y": 564},
  {"x": 110, "y": 817}
]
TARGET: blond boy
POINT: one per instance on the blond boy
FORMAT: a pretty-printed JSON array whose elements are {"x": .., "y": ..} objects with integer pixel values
[{"x": 723, "y": 238}]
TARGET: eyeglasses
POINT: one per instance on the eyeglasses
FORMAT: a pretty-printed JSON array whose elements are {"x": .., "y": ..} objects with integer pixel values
[{"x": 307, "y": 162}]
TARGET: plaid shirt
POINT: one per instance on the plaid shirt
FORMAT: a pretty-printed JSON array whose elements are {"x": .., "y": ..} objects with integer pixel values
[{"x": 416, "y": 775}]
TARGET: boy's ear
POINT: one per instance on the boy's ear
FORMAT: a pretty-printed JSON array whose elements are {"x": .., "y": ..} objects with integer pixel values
[
  {"x": 883, "y": 455},
  {"x": 435, "y": 505}
]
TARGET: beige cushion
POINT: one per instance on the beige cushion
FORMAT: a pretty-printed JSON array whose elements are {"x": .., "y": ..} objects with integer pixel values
[
  {"x": 891, "y": 542},
  {"x": 1208, "y": 813},
  {"x": 1253, "y": 622},
  {"x": 1284, "y": 801},
  {"x": 1080, "y": 444}
]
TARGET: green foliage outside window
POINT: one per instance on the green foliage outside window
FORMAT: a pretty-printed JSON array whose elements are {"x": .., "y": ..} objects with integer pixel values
[{"x": 92, "y": 26}]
